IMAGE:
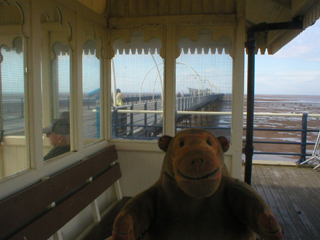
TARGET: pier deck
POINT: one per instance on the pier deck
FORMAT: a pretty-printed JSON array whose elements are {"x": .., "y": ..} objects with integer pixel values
[{"x": 293, "y": 193}]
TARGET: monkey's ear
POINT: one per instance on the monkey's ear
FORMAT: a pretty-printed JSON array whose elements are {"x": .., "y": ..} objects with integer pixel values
[
  {"x": 164, "y": 142},
  {"x": 224, "y": 143}
]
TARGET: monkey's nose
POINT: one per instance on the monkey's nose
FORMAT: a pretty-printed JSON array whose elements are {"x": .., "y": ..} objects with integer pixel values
[{"x": 197, "y": 161}]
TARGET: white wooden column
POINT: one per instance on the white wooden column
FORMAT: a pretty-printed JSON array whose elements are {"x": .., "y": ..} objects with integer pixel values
[
  {"x": 169, "y": 80},
  {"x": 76, "y": 103},
  {"x": 33, "y": 71},
  {"x": 237, "y": 94},
  {"x": 106, "y": 88}
]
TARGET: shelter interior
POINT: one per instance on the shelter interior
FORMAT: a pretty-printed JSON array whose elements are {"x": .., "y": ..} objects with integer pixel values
[{"x": 179, "y": 63}]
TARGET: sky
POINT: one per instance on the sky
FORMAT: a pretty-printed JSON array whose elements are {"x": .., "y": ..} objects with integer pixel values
[
  {"x": 137, "y": 73},
  {"x": 294, "y": 69}
]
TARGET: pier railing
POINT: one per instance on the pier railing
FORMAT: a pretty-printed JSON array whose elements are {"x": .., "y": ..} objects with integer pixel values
[
  {"x": 144, "y": 120},
  {"x": 303, "y": 131}
]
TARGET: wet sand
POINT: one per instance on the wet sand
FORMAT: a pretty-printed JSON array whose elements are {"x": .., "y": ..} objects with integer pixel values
[{"x": 283, "y": 104}]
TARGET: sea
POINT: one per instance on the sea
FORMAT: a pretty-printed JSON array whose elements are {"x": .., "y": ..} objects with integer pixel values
[
  {"x": 283, "y": 133},
  {"x": 285, "y": 130}
]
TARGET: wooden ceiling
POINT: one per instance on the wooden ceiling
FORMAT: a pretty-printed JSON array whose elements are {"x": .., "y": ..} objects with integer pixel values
[
  {"x": 256, "y": 11},
  {"x": 272, "y": 11}
]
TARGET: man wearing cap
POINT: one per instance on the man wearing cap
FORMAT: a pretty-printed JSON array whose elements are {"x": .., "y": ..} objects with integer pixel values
[{"x": 58, "y": 133}]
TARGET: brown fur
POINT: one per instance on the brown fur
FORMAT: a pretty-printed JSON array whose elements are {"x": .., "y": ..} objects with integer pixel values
[{"x": 195, "y": 199}]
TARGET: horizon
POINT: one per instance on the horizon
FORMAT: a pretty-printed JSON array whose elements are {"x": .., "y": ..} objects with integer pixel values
[
  {"x": 293, "y": 70},
  {"x": 156, "y": 93}
]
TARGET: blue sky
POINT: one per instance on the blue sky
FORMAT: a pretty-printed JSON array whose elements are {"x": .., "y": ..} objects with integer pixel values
[
  {"x": 294, "y": 69},
  {"x": 135, "y": 73}
]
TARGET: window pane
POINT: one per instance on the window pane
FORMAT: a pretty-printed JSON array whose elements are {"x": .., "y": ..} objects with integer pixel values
[
  {"x": 56, "y": 101},
  {"x": 204, "y": 87},
  {"x": 13, "y": 153},
  {"x": 137, "y": 90},
  {"x": 91, "y": 92}
]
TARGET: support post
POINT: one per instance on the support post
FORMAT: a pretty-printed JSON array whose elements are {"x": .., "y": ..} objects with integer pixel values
[
  {"x": 145, "y": 120},
  {"x": 182, "y": 107},
  {"x": 251, "y": 46},
  {"x": 22, "y": 108},
  {"x": 155, "y": 115},
  {"x": 296, "y": 23},
  {"x": 304, "y": 137},
  {"x": 131, "y": 120},
  {"x": 115, "y": 123}
]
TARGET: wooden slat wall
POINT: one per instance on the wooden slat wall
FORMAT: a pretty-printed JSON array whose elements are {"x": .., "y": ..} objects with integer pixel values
[
  {"x": 133, "y": 8},
  {"x": 98, "y": 6}
]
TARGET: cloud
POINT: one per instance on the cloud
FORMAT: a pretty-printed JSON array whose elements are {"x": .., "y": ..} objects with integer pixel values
[
  {"x": 306, "y": 45},
  {"x": 294, "y": 69},
  {"x": 299, "y": 83},
  {"x": 287, "y": 82}
]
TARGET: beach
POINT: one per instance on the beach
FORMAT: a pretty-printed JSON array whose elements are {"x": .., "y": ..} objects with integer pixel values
[
  {"x": 283, "y": 104},
  {"x": 13, "y": 117}
]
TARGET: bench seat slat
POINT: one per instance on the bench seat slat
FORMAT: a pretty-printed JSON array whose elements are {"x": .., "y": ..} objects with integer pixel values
[
  {"x": 24, "y": 206},
  {"x": 57, "y": 217}
]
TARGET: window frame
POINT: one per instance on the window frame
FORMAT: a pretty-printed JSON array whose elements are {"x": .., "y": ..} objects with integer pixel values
[
  {"x": 93, "y": 24},
  {"x": 79, "y": 21},
  {"x": 8, "y": 34}
]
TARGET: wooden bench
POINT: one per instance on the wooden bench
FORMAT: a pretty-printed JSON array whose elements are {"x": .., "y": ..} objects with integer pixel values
[{"x": 41, "y": 210}]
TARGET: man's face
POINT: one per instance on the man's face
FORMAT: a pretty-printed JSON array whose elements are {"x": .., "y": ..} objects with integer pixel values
[{"x": 54, "y": 139}]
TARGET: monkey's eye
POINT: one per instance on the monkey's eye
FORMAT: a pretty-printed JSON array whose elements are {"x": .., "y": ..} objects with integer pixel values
[
  {"x": 209, "y": 142},
  {"x": 181, "y": 144}
]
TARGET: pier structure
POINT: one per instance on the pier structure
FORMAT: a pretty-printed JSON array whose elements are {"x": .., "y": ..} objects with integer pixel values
[
  {"x": 141, "y": 114},
  {"x": 143, "y": 120}
]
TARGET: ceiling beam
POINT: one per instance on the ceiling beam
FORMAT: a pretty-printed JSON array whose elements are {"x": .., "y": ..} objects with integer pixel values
[{"x": 284, "y": 3}]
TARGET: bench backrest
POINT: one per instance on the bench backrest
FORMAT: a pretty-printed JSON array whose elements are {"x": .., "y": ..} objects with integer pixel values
[{"x": 41, "y": 210}]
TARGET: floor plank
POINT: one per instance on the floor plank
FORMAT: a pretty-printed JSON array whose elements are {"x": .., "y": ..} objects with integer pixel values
[
  {"x": 283, "y": 205},
  {"x": 308, "y": 208},
  {"x": 293, "y": 194}
]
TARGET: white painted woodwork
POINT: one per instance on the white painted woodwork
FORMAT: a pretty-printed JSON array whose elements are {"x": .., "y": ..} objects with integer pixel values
[{"x": 126, "y": 23}]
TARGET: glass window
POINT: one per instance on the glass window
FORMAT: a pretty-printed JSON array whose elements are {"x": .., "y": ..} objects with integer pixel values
[
  {"x": 91, "y": 92},
  {"x": 204, "y": 85},
  {"x": 137, "y": 89},
  {"x": 13, "y": 132},
  {"x": 56, "y": 101}
]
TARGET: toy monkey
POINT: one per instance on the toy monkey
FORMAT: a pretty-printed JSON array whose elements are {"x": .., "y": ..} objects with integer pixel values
[{"x": 195, "y": 199}]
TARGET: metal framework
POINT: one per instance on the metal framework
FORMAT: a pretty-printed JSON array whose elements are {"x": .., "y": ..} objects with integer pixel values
[{"x": 315, "y": 155}]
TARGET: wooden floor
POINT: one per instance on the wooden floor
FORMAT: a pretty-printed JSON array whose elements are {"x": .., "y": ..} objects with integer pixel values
[{"x": 294, "y": 197}]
